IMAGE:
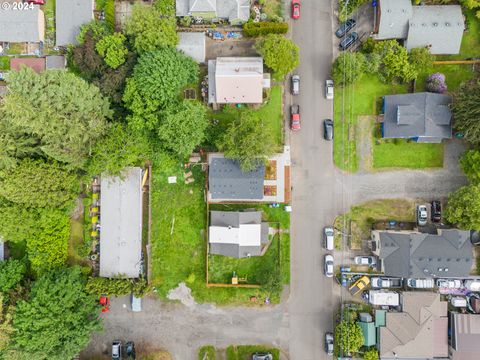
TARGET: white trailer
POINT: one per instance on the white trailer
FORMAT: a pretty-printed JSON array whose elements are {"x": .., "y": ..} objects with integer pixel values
[{"x": 383, "y": 298}]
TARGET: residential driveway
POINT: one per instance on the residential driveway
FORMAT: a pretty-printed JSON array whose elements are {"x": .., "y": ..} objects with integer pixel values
[{"x": 229, "y": 47}]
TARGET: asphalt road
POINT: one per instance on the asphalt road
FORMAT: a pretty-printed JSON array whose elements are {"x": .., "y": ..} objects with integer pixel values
[{"x": 314, "y": 198}]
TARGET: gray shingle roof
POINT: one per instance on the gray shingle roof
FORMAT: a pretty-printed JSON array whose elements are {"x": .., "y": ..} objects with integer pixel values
[
  {"x": 227, "y": 181},
  {"x": 21, "y": 26},
  {"x": 423, "y": 255},
  {"x": 394, "y": 16},
  {"x": 439, "y": 27},
  {"x": 234, "y": 219},
  {"x": 233, "y": 10},
  {"x": 423, "y": 115},
  {"x": 121, "y": 224},
  {"x": 70, "y": 15}
]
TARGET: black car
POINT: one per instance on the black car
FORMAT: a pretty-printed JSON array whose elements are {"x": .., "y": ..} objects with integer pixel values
[
  {"x": 328, "y": 129},
  {"x": 436, "y": 212},
  {"x": 130, "y": 350},
  {"x": 345, "y": 28},
  {"x": 348, "y": 41}
]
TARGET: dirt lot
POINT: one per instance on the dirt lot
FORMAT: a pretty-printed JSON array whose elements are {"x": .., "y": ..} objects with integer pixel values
[{"x": 229, "y": 47}]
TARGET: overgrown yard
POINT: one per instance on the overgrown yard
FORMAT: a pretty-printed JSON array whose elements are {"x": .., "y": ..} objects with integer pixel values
[
  {"x": 363, "y": 216},
  {"x": 271, "y": 112},
  {"x": 178, "y": 237},
  {"x": 236, "y": 352}
]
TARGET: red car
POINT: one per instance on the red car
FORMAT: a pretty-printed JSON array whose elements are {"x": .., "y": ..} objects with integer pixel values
[
  {"x": 105, "y": 302},
  {"x": 295, "y": 117},
  {"x": 296, "y": 9},
  {"x": 36, "y": 2}
]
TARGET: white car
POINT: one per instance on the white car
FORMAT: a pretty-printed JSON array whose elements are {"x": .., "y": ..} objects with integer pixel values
[
  {"x": 328, "y": 265},
  {"x": 421, "y": 283},
  {"x": 449, "y": 284},
  {"x": 473, "y": 285},
  {"x": 329, "y": 89},
  {"x": 328, "y": 235},
  {"x": 422, "y": 215},
  {"x": 117, "y": 349},
  {"x": 365, "y": 260}
]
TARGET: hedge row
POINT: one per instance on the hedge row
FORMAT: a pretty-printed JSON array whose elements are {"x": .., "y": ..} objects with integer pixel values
[
  {"x": 264, "y": 28},
  {"x": 117, "y": 287}
]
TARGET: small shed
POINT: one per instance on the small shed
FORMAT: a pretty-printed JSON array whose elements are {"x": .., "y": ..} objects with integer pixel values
[{"x": 369, "y": 333}]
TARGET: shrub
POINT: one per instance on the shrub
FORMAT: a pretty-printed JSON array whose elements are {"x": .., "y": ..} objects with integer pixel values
[
  {"x": 110, "y": 14},
  {"x": 186, "y": 21},
  {"x": 436, "y": 83},
  {"x": 263, "y": 28},
  {"x": 346, "y": 7},
  {"x": 117, "y": 287}
]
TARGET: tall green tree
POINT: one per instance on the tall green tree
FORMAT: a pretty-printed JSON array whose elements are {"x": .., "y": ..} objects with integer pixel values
[
  {"x": 395, "y": 61},
  {"x": 470, "y": 163},
  {"x": 279, "y": 53},
  {"x": 35, "y": 183},
  {"x": 11, "y": 228},
  {"x": 248, "y": 141},
  {"x": 466, "y": 111},
  {"x": 157, "y": 80},
  {"x": 12, "y": 272},
  {"x": 463, "y": 207},
  {"x": 57, "y": 319},
  {"x": 66, "y": 115},
  {"x": 97, "y": 29},
  {"x": 348, "y": 337},
  {"x": 113, "y": 50},
  {"x": 183, "y": 128},
  {"x": 371, "y": 354},
  {"x": 348, "y": 68},
  {"x": 420, "y": 59},
  {"x": 150, "y": 29}
]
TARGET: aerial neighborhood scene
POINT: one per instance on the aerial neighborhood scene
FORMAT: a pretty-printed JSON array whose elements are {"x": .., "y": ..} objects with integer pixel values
[{"x": 239, "y": 179}]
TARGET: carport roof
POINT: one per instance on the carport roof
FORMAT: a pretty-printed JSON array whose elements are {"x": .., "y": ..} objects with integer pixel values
[{"x": 121, "y": 224}]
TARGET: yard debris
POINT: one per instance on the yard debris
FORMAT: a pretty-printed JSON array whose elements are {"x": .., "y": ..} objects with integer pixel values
[{"x": 172, "y": 179}]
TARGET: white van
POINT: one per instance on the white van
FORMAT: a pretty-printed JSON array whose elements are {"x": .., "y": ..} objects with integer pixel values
[
  {"x": 136, "y": 304},
  {"x": 421, "y": 283},
  {"x": 383, "y": 298},
  {"x": 328, "y": 236}
]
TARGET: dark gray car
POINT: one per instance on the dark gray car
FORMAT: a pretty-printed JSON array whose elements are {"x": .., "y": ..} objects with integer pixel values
[
  {"x": 345, "y": 28},
  {"x": 328, "y": 129},
  {"x": 262, "y": 356},
  {"x": 348, "y": 41}
]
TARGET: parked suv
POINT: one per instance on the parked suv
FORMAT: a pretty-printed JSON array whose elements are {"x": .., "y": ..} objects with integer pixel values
[
  {"x": 345, "y": 28},
  {"x": 328, "y": 236},
  {"x": 328, "y": 129},
  {"x": 349, "y": 40},
  {"x": 421, "y": 283},
  {"x": 436, "y": 211},
  {"x": 449, "y": 283},
  {"x": 295, "y": 84},
  {"x": 116, "y": 350}
]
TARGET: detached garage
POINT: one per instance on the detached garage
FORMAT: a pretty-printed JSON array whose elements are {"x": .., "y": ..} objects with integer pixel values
[{"x": 121, "y": 224}]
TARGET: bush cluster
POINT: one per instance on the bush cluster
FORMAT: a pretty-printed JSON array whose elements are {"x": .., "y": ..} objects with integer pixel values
[
  {"x": 117, "y": 287},
  {"x": 263, "y": 28}
]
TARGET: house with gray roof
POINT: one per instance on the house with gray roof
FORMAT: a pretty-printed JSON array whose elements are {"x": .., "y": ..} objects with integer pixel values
[
  {"x": 419, "y": 255},
  {"x": 70, "y": 15},
  {"x": 423, "y": 117},
  {"x": 121, "y": 224},
  {"x": 464, "y": 336},
  {"x": 235, "y": 11},
  {"x": 237, "y": 234},
  {"x": 192, "y": 44},
  {"x": 437, "y": 27},
  {"x": 21, "y": 26},
  {"x": 418, "y": 332}
]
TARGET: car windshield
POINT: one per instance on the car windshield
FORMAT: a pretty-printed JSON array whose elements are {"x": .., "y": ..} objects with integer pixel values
[{"x": 329, "y": 231}]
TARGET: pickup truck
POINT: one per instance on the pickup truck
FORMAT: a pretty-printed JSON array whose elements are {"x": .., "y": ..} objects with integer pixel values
[
  {"x": 359, "y": 285},
  {"x": 421, "y": 283},
  {"x": 386, "y": 282}
]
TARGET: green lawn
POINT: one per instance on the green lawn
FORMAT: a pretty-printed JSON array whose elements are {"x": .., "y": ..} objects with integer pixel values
[
  {"x": 207, "y": 352},
  {"x": 271, "y": 112},
  {"x": 243, "y": 352},
  {"x": 4, "y": 63},
  {"x": 364, "y": 215},
  {"x": 362, "y": 98},
  {"x": 403, "y": 154},
  {"x": 49, "y": 11},
  {"x": 178, "y": 237}
]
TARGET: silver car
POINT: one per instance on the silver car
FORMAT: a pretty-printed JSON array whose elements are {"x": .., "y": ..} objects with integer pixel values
[
  {"x": 422, "y": 215},
  {"x": 329, "y": 343},
  {"x": 329, "y": 89},
  {"x": 328, "y": 265},
  {"x": 295, "y": 84},
  {"x": 116, "y": 350},
  {"x": 262, "y": 356}
]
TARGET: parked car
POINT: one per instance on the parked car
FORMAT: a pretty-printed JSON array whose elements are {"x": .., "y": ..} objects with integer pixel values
[
  {"x": 35, "y": 2},
  {"x": 473, "y": 285},
  {"x": 421, "y": 283},
  {"x": 345, "y": 28},
  {"x": 348, "y": 41},
  {"x": 422, "y": 215},
  {"x": 329, "y": 343},
  {"x": 136, "y": 304},
  {"x": 436, "y": 211},
  {"x": 328, "y": 236},
  {"x": 328, "y": 129},
  {"x": 365, "y": 260},
  {"x": 359, "y": 285},
  {"x": 130, "y": 350},
  {"x": 386, "y": 282},
  {"x": 329, "y": 89},
  {"x": 295, "y": 84},
  {"x": 116, "y": 350},
  {"x": 328, "y": 265},
  {"x": 449, "y": 284},
  {"x": 295, "y": 117},
  {"x": 296, "y": 9},
  {"x": 262, "y": 356}
]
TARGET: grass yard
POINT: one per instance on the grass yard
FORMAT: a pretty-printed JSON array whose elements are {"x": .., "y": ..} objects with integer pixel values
[
  {"x": 49, "y": 11},
  {"x": 178, "y": 237},
  {"x": 271, "y": 112},
  {"x": 362, "y": 98},
  {"x": 207, "y": 352},
  {"x": 243, "y": 352},
  {"x": 80, "y": 241},
  {"x": 273, "y": 8},
  {"x": 4, "y": 63},
  {"x": 403, "y": 154},
  {"x": 363, "y": 216}
]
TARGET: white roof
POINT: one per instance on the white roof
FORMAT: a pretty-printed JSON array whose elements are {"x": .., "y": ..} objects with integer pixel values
[
  {"x": 121, "y": 224},
  {"x": 244, "y": 235},
  {"x": 377, "y": 297},
  {"x": 236, "y": 80}
]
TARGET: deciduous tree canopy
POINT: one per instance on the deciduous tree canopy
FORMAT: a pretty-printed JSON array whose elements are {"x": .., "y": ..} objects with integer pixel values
[
  {"x": 279, "y": 53},
  {"x": 463, "y": 207},
  {"x": 348, "y": 67},
  {"x": 348, "y": 336},
  {"x": 466, "y": 111},
  {"x": 113, "y": 50}
]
